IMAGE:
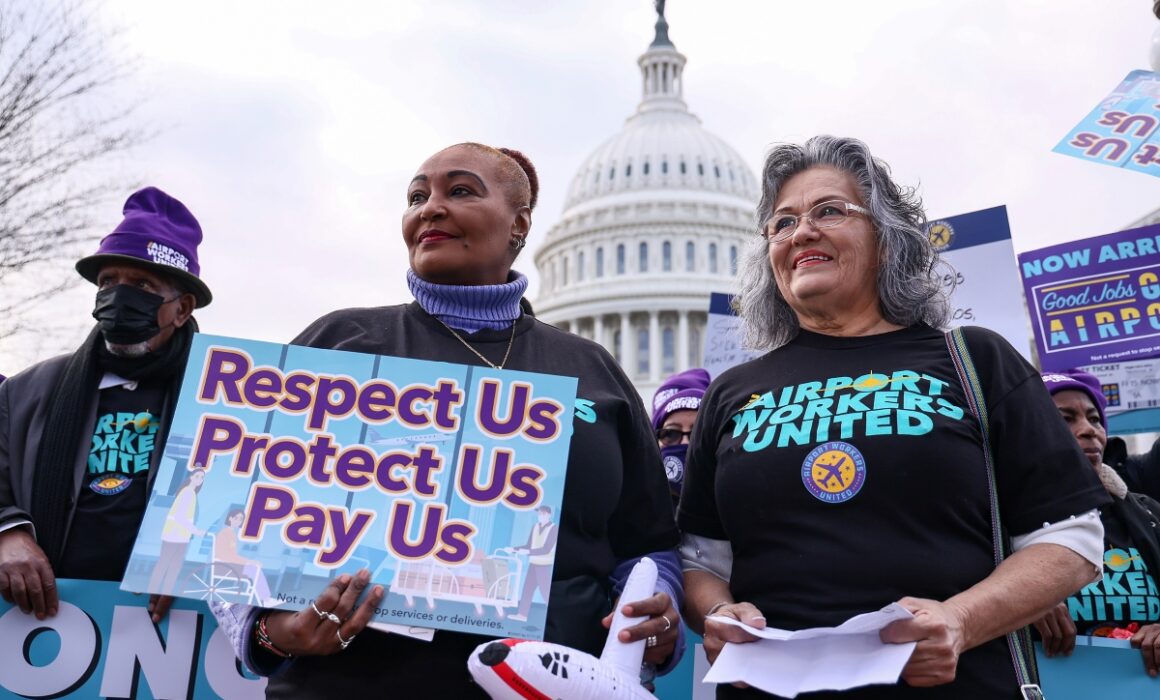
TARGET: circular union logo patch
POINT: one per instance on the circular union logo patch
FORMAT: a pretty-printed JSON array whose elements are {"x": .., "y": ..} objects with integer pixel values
[
  {"x": 940, "y": 234},
  {"x": 110, "y": 485},
  {"x": 834, "y": 472},
  {"x": 674, "y": 468}
]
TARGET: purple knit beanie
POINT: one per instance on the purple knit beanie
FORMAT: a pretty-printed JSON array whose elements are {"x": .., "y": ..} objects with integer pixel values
[
  {"x": 681, "y": 391},
  {"x": 159, "y": 233},
  {"x": 1078, "y": 380}
]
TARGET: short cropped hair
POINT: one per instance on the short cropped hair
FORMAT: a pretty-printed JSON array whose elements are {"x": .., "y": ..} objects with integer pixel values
[{"x": 519, "y": 175}]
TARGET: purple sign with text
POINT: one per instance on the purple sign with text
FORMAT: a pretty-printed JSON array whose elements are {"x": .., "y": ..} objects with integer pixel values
[
  {"x": 1096, "y": 300},
  {"x": 1121, "y": 131}
]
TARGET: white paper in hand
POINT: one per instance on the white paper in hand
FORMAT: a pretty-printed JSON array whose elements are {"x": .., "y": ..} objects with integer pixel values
[{"x": 820, "y": 658}]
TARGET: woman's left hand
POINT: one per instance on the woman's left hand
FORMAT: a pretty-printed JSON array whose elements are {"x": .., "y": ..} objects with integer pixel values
[
  {"x": 663, "y": 622},
  {"x": 939, "y": 633},
  {"x": 1147, "y": 639}
]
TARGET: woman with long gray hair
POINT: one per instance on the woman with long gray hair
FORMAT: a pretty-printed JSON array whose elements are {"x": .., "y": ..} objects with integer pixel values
[{"x": 845, "y": 469}]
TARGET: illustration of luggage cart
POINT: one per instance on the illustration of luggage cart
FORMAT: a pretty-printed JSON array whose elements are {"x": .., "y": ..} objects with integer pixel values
[{"x": 493, "y": 582}]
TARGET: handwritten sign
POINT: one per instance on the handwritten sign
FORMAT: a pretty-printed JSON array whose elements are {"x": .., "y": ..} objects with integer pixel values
[
  {"x": 287, "y": 466},
  {"x": 1121, "y": 131},
  {"x": 103, "y": 644},
  {"x": 723, "y": 337},
  {"x": 980, "y": 277},
  {"x": 1096, "y": 300}
]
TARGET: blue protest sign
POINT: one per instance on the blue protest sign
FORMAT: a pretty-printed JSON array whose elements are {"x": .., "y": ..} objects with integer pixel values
[
  {"x": 287, "y": 466},
  {"x": 1098, "y": 668},
  {"x": 103, "y": 643},
  {"x": 1121, "y": 131}
]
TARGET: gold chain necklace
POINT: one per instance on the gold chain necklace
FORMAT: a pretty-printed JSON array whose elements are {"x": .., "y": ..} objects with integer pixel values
[{"x": 478, "y": 354}]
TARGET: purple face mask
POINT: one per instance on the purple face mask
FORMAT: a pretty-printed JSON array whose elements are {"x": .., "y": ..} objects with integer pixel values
[{"x": 673, "y": 459}]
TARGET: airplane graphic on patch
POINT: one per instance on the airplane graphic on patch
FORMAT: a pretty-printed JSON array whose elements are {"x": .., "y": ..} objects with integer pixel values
[{"x": 833, "y": 472}]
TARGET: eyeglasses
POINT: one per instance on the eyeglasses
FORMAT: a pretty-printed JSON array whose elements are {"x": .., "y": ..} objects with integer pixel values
[
  {"x": 672, "y": 436},
  {"x": 822, "y": 215}
]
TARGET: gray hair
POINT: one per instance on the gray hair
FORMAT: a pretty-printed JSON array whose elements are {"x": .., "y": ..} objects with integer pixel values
[{"x": 909, "y": 289}]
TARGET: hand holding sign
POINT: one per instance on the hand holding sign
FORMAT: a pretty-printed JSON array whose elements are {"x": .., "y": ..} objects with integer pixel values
[
  {"x": 26, "y": 578},
  {"x": 1147, "y": 639},
  {"x": 313, "y": 632},
  {"x": 1057, "y": 630}
]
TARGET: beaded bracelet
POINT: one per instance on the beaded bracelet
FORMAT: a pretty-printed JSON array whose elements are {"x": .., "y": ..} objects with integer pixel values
[{"x": 262, "y": 637}]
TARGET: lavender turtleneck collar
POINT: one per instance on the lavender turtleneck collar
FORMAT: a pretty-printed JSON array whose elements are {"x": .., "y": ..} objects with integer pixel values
[{"x": 471, "y": 308}]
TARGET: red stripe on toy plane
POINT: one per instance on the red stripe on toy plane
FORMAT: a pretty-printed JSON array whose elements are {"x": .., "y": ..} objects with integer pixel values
[{"x": 508, "y": 675}]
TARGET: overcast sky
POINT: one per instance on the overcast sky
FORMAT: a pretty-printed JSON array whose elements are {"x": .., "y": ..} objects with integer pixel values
[{"x": 290, "y": 129}]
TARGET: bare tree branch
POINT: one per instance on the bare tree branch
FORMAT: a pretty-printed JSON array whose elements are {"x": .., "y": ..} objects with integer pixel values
[{"x": 62, "y": 122}]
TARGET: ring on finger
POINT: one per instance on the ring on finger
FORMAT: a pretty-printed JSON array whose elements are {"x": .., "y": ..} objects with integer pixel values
[
  {"x": 326, "y": 615},
  {"x": 668, "y": 623},
  {"x": 343, "y": 643},
  {"x": 651, "y": 641}
]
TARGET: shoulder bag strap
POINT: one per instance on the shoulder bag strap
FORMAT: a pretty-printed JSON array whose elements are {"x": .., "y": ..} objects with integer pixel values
[{"x": 1019, "y": 641}]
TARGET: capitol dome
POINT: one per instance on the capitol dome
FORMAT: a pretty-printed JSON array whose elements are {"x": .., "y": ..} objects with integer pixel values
[
  {"x": 662, "y": 149},
  {"x": 654, "y": 221}
]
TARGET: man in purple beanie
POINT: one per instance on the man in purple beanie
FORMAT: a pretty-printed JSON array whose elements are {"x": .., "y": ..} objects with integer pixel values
[
  {"x": 81, "y": 434},
  {"x": 675, "y": 406}
]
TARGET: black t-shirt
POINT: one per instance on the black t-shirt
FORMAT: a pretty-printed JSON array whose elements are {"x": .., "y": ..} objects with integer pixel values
[
  {"x": 114, "y": 489},
  {"x": 1126, "y": 594},
  {"x": 848, "y": 473}
]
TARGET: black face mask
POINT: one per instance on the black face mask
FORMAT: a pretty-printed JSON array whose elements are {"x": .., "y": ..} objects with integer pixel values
[{"x": 127, "y": 315}]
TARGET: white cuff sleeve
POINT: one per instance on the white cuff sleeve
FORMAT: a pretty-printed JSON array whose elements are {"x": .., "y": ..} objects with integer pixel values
[
  {"x": 708, "y": 555},
  {"x": 19, "y": 523},
  {"x": 1082, "y": 534}
]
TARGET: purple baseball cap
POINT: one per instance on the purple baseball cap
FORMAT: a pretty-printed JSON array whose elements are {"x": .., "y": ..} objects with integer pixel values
[
  {"x": 681, "y": 391},
  {"x": 1078, "y": 380},
  {"x": 158, "y": 233}
]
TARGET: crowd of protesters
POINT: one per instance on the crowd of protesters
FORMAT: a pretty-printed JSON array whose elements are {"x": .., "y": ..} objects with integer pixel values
[{"x": 869, "y": 456}]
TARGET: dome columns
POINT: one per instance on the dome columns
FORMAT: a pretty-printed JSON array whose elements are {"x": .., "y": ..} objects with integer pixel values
[
  {"x": 661, "y": 81},
  {"x": 627, "y": 345},
  {"x": 648, "y": 344}
]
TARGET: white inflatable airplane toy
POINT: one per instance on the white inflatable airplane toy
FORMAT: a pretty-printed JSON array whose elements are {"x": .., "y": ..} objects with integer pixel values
[{"x": 517, "y": 669}]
